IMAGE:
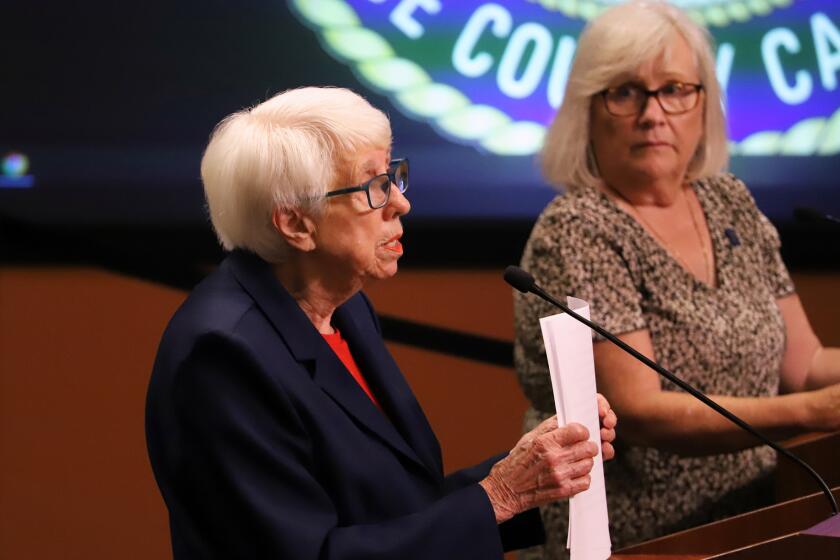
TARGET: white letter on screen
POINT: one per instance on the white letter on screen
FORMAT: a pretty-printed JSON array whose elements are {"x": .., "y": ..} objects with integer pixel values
[
  {"x": 463, "y": 59},
  {"x": 560, "y": 70},
  {"x": 800, "y": 91},
  {"x": 826, "y": 37},
  {"x": 403, "y": 16},
  {"x": 723, "y": 66},
  {"x": 534, "y": 68}
]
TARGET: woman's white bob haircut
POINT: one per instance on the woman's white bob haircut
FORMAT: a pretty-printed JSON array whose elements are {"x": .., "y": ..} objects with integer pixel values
[
  {"x": 614, "y": 44},
  {"x": 285, "y": 152}
]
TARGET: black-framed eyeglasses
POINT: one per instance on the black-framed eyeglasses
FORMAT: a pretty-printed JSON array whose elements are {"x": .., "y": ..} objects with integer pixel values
[
  {"x": 378, "y": 189},
  {"x": 631, "y": 99}
]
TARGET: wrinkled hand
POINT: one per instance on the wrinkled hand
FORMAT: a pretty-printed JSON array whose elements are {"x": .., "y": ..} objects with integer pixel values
[
  {"x": 548, "y": 463},
  {"x": 823, "y": 409},
  {"x": 608, "y": 423}
]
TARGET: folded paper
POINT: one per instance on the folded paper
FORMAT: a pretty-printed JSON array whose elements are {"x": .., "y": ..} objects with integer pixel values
[{"x": 568, "y": 347}]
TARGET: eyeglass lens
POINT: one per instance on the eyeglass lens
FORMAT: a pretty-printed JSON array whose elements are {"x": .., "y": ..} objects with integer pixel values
[
  {"x": 400, "y": 173},
  {"x": 629, "y": 99},
  {"x": 379, "y": 190}
]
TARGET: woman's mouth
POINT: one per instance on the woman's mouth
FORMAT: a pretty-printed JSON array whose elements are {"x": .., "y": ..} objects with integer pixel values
[
  {"x": 394, "y": 245},
  {"x": 653, "y": 144}
]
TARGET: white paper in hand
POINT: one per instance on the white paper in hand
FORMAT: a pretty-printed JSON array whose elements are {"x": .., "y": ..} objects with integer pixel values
[{"x": 568, "y": 347}]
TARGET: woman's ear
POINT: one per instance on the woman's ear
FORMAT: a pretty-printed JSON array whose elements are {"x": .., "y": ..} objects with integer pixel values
[{"x": 295, "y": 227}]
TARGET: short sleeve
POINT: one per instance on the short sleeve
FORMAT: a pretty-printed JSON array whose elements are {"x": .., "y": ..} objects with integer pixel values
[
  {"x": 774, "y": 271},
  {"x": 573, "y": 252}
]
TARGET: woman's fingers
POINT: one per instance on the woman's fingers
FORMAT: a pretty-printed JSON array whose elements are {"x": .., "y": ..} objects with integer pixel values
[
  {"x": 577, "y": 462},
  {"x": 542, "y": 428},
  {"x": 575, "y": 486},
  {"x": 569, "y": 488},
  {"x": 605, "y": 412},
  {"x": 609, "y": 421},
  {"x": 545, "y": 426},
  {"x": 603, "y": 404},
  {"x": 607, "y": 435},
  {"x": 569, "y": 434}
]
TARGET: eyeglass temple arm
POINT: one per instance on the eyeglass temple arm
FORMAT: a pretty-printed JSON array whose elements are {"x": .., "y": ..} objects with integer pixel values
[{"x": 345, "y": 191}]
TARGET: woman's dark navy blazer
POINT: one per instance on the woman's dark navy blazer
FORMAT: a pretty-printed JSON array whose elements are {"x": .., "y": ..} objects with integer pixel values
[{"x": 264, "y": 446}]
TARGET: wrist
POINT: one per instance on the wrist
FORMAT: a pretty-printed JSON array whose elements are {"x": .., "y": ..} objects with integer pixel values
[
  {"x": 803, "y": 410},
  {"x": 501, "y": 512}
]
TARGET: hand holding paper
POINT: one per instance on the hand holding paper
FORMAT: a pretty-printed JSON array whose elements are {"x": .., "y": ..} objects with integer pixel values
[
  {"x": 553, "y": 462},
  {"x": 549, "y": 463}
]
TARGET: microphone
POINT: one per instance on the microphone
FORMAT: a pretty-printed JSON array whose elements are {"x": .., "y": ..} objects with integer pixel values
[
  {"x": 525, "y": 283},
  {"x": 519, "y": 279},
  {"x": 814, "y": 216}
]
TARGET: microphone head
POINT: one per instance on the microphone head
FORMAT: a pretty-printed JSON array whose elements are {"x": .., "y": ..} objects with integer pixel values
[{"x": 519, "y": 279}]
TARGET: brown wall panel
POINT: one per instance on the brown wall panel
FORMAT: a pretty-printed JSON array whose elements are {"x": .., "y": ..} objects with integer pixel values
[
  {"x": 76, "y": 348},
  {"x": 475, "y": 301}
]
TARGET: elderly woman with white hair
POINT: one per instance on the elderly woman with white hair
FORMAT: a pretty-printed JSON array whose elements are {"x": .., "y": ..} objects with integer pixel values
[
  {"x": 278, "y": 424},
  {"x": 673, "y": 256}
]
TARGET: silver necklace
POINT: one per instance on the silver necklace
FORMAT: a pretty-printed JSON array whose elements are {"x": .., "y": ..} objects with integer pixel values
[{"x": 708, "y": 267}]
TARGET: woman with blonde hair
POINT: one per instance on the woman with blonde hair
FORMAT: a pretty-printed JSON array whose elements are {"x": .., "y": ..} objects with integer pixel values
[{"x": 674, "y": 257}]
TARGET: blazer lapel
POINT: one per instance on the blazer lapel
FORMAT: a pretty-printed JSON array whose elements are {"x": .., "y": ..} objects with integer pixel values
[
  {"x": 308, "y": 347},
  {"x": 390, "y": 387}
]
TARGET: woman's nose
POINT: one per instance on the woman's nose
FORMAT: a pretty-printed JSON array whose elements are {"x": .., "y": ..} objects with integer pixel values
[
  {"x": 652, "y": 110},
  {"x": 398, "y": 204}
]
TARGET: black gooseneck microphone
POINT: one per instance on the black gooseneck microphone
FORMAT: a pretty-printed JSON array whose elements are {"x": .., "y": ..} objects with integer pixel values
[{"x": 525, "y": 283}]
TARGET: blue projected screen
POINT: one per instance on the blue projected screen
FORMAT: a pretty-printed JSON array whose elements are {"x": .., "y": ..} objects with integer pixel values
[{"x": 109, "y": 106}]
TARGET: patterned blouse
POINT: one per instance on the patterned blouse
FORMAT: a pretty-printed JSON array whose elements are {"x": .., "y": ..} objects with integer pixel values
[{"x": 727, "y": 340}]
